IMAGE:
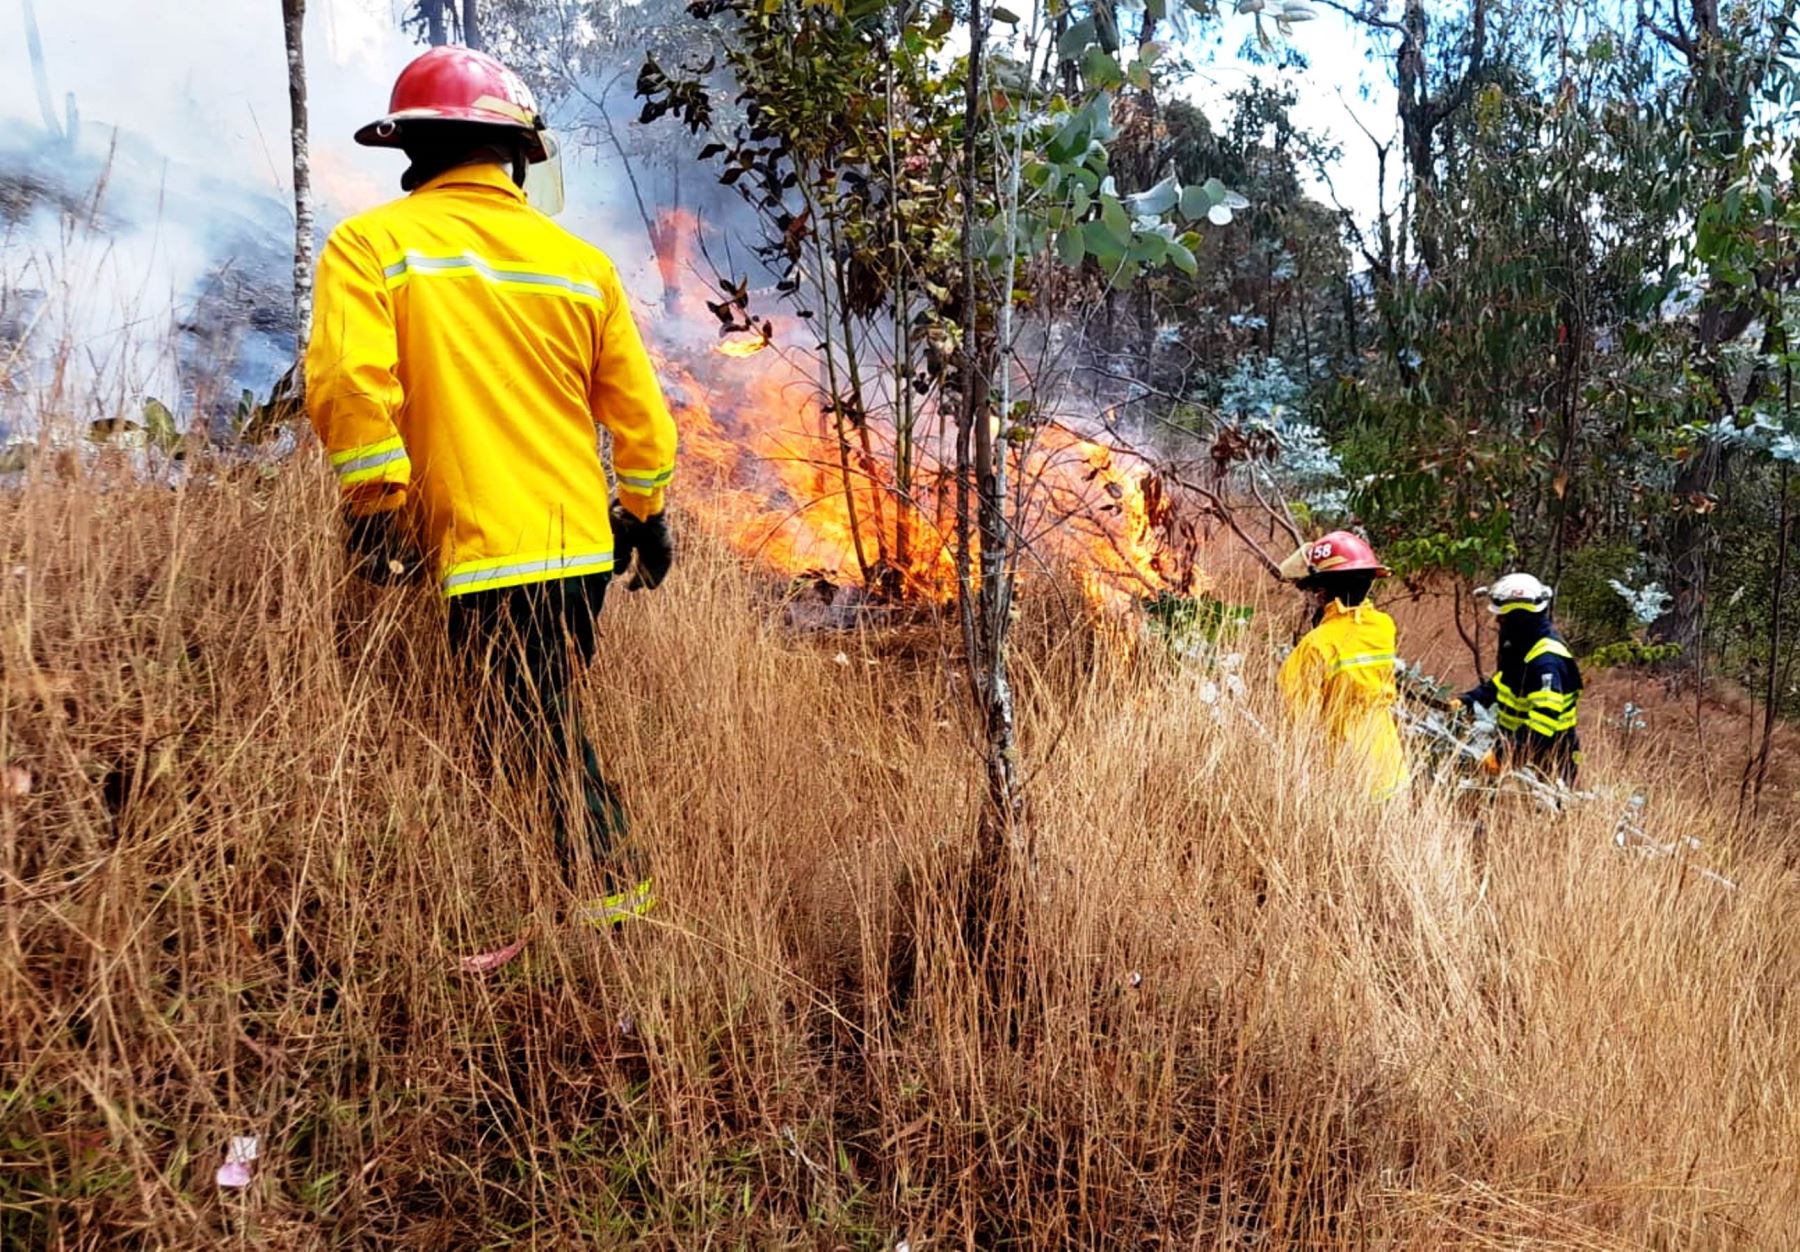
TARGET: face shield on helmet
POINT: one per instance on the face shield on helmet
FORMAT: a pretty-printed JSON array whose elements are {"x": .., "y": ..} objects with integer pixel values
[
  {"x": 544, "y": 179},
  {"x": 1339, "y": 552},
  {"x": 460, "y": 86}
]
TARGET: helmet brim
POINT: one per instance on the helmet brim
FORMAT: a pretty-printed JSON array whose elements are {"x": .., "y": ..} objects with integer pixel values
[{"x": 390, "y": 131}]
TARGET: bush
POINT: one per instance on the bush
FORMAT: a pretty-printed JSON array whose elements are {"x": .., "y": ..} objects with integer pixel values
[{"x": 1589, "y": 609}]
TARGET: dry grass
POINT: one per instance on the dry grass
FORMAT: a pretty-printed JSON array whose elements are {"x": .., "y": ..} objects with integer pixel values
[{"x": 258, "y": 839}]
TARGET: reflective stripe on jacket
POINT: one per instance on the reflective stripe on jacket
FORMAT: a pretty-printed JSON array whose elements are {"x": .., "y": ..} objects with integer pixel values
[
  {"x": 1342, "y": 674},
  {"x": 1545, "y": 708},
  {"x": 1536, "y": 697},
  {"x": 464, "y": 347}
]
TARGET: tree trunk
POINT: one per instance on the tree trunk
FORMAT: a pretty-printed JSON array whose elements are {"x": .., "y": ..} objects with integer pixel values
[
  {"x": 437, "y": 24},
  {"x": 1422, "y": 112},
  {"x": 1772, "y": 692},
  {"x": 471, "y": 25},
  {"x": 1723, "y": 109},
  {"x": 293, "y": 20},
  {"x": 985, "y": 597}
]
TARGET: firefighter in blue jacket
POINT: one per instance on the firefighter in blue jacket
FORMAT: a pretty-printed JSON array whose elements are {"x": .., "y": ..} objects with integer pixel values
[{"x": 1536, "y": 691}]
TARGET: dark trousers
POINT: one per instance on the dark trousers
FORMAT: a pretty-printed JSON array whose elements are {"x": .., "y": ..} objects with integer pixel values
[{"x": 522, "y": 646}]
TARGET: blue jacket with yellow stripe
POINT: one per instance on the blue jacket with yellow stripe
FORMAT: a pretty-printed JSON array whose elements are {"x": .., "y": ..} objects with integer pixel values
[{"x": 1536, "y": 695}]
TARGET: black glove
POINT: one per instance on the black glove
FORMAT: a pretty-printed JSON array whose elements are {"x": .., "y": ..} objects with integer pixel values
[
  {"x": 378, "y": 551},
  {"x": 649, "y": 541}
]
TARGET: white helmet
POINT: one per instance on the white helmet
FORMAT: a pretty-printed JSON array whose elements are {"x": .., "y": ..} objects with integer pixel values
[{"x": 1516, "y": 593}]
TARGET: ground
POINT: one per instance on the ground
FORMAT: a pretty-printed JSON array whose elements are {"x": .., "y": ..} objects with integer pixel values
[{"x": 1228, "y": 1003}]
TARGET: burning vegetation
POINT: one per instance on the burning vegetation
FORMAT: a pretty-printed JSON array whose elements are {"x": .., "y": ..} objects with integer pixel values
[{"x": 787, "y": 479}]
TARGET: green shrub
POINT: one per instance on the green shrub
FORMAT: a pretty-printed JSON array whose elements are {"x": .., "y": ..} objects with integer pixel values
[{"x": 1590, "y": 612}]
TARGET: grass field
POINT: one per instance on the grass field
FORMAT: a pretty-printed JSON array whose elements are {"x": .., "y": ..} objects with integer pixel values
[{"x": 245, "y": 837}]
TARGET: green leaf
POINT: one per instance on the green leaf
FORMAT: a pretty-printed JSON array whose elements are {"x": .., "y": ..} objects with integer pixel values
[
  {"x": 1101, "y": 109},
  {"x": 1156, "y": 201},
  {"x": 1182, "y": 258},
  {"x": 1101, "y": 69},
  {"x": 1194, "y": 202},
  {"x": 159, "y": 424},
  {"x": 1116, "y": 220},
  {"x": 1007, "y": 16},
  {"x": 1125, "y": 275},
  {"x": 1080, "y": 201},
  {"x": 1072, "y": 140},
  {"x": 1102, "y": 246},
  {"x": 1149, "y": 248},
  {"x": 1071, "y": 247},
  {"x": 1216, "y": 191},
  {"x": 1076, "y": 39}
]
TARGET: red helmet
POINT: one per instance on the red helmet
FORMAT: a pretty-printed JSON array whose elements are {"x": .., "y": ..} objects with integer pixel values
[
  {"x": 451, "y": 84},
  {"x": 1338, "y": 552}
]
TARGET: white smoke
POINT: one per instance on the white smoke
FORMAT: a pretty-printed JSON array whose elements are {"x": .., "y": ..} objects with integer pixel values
[
  {"x": 146, "y": 231},
  {"x": 151, "y": 252}
]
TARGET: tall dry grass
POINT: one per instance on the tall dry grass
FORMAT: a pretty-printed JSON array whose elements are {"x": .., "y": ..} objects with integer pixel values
[{"x": 1247, "y": 1011}]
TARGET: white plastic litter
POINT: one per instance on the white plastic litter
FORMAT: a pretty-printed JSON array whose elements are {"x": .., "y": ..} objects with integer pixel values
[{"x": 239, "y": 1156}]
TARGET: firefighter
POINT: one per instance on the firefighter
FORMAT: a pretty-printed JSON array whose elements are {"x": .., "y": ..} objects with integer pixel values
[
  {"x": 1536, "y": 691},
  {"x": 464, "y": 350},
  {"x": 1341, "y": 673}
]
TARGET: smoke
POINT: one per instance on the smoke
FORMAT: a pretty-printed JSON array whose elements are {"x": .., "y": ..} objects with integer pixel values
[{"x": 146, "y": 229}]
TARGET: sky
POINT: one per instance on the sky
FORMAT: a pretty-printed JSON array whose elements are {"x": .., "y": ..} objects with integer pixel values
[{"x": 1345, "y": 82}]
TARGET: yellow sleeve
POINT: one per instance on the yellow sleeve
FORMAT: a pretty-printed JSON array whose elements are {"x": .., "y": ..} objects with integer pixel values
[
  {"x": 629, "y": 402},
  {"x": 1302, "y": 677},
  {"x": 352, "y": 389}
]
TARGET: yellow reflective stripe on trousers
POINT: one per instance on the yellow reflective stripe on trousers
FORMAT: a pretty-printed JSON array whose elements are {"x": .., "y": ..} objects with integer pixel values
[
  {"x": 372, "y": 462},
  {"x": 1367, "y": 660},
  {"x": 468, "y": 264},
  {"x": 516, "y": 571},
  {"x": 646, "y": 483}
]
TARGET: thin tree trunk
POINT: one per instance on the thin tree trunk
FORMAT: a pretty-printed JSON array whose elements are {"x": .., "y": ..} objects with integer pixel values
[
  {"x": 664, "y": 244},
  {"x": 1772, "y": 692},
  {"x": 986, "y": 604},
  {"x": 437, "y": 26},
  {"x": 1471, "y": 641},
  {"x": 471, "y": 25},
  {"x": 293, "y": 15},
  {"x": 904, "y": 412}
]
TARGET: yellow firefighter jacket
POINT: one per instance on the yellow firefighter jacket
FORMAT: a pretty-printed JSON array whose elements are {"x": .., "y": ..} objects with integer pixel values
[
  {"x": 463, "y": 348},
  {"x": 1342, "y": 675}
]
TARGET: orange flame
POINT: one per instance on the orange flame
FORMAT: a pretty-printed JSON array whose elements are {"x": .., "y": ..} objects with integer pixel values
[
  {"x": 740, "y": 347},
  {"x": 785, "y": 481}
]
